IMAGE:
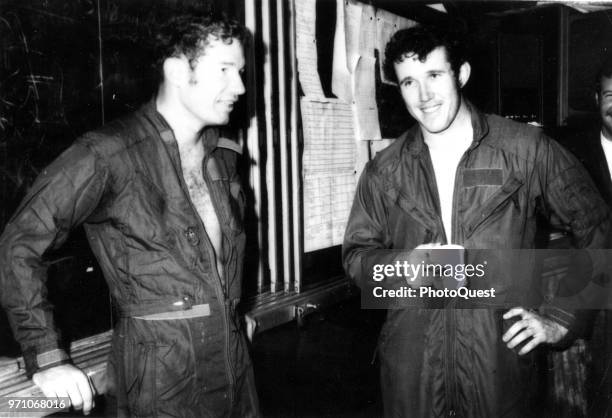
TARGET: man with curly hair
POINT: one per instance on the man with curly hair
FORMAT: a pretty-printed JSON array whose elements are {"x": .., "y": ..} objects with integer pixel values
[
  {"x": 162, "y": 206},
  {"x": 479, "y": 181}
]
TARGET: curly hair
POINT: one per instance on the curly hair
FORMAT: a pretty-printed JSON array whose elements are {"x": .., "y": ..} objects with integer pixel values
[
  {"x": 191, "y": 34},
  {"x": 421, "y": 40}
]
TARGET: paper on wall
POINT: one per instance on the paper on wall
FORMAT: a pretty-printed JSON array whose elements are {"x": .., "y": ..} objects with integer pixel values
[
  {"x": 341, "y": 77},
  {"x": 328, "y": 167},
  {"x": 366, "y": 109},
  {"x": 306, "y": 48},
  {"x": 352, "y": 23},
  {"x": 367, "y": 31}
]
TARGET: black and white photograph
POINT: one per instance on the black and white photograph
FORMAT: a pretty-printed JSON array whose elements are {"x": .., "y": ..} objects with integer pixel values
[{"x": 306, "y": 208}]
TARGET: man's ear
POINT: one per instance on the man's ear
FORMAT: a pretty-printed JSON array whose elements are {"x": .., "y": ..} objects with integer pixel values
[
  {"x": 176, "y": 71},
  {"x": 597, "y": 99},
  {"x": 464, "y": 74}
]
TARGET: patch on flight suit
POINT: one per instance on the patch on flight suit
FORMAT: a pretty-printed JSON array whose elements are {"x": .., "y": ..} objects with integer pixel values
[{"x": 482, "y": 177}]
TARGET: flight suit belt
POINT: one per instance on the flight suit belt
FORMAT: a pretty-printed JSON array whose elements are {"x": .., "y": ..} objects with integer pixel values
[{"x": 164, "y": 309}]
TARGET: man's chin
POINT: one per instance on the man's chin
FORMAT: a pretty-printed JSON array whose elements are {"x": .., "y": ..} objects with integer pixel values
[
  {"x": 434, "y": 128},
  {"x": 221, "y": 120}
]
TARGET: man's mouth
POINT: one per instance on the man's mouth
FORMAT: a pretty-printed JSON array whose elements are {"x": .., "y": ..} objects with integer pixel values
[
  {"x": 227, "y": 103},
  {"x": 430, "y": 108}
]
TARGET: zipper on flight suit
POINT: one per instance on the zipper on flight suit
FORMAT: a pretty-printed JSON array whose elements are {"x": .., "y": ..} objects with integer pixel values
[
  {"x": 219, "y": 289},
  {"x": 450, "y": 380},
  {"x": 222, "y": 291},
  {"x": 450, "y": 314}
]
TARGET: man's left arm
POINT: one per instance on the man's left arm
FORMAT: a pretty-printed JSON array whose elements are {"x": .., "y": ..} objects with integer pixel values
[{"x": 569, "y": 194}]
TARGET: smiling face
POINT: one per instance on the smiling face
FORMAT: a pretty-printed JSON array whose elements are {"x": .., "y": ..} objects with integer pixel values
[
  {"x": 430, "y": 89},
  {"x": 604, "y": 100},
  {"x": 214, "y": 84}
]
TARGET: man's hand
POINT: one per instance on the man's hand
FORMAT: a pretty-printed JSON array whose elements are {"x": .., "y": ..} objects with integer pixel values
[
  {"x": 531, "y": 325},
  {"x": 422, "y": 254},
  {"x": 251, "y": 325},
  {"x": 66, "y": 381}
]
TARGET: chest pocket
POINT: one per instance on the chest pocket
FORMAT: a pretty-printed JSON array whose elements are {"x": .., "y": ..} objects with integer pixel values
[
  {"x": 506, "y": 195},
  {"x": 147, "y": 209},
  {"x": 419, "y": 226},
  {"x": 151, "y": 194},
  {"x": 410, "y": 207}
]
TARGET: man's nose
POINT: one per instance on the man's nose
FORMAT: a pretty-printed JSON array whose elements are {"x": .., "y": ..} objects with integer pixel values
[
  {"x": 424, "y": 92},
  {"x": 237, "y": 85}
]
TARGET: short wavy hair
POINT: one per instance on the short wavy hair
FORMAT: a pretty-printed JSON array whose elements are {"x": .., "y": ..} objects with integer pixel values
[
  {"x": 191, "y": 34},
  {"x": 421, "y": 40}
]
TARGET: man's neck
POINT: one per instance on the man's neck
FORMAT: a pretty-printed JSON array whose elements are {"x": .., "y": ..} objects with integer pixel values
[
  {"x": 460, "y": 127},
  {"x": 186, "y": 129}
]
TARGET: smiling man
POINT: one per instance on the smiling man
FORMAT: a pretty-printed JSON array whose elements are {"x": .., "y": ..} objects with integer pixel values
[
  {"x": 478, "y": 181},
  {"x": 160, "y": 200},
  {"x": 603, "y": 98}
]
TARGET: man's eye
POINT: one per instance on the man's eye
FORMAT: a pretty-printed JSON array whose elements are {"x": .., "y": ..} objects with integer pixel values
[
  {"x": 435, "y": 75},
  {"x": 407, "y": 83}
]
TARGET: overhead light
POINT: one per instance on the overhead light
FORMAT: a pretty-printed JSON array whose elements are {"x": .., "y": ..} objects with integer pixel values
[{"x": 438, "y": 6}]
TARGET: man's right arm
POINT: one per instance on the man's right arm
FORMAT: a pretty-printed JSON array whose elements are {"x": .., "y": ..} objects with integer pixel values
[
  {"x": 365, "y": 241},
  {"x": 62, "y": 197}
]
